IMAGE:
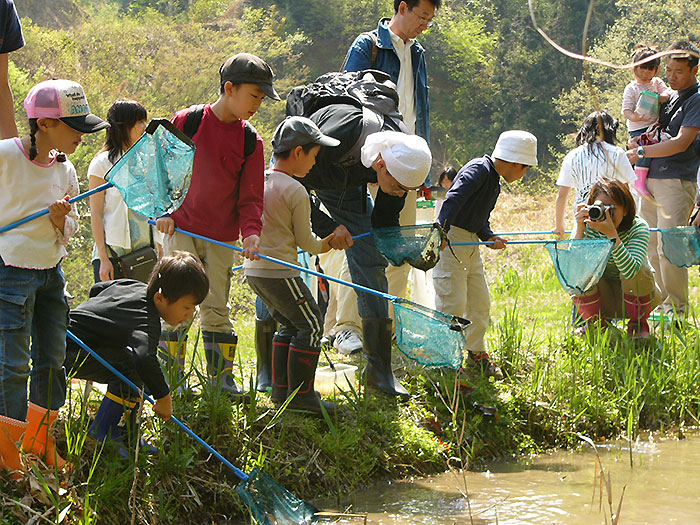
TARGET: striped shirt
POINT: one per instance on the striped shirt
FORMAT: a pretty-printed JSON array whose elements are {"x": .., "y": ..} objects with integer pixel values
[{"x": 631, "y": 254}]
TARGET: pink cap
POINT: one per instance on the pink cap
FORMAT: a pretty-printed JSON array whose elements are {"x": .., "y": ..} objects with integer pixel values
[{"x": 64, "y": 100}]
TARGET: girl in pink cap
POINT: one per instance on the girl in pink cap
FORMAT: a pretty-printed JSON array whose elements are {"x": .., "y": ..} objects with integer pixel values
[{"x": 34, "y": 174}]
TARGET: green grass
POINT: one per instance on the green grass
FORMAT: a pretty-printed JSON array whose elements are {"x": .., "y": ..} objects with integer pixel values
[{"x": 557, "y": 385}]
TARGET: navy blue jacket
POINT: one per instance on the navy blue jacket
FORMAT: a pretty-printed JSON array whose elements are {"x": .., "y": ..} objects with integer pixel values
[
  {"x": 472, "y": 197},
  {"x": 360, "y": 57}
]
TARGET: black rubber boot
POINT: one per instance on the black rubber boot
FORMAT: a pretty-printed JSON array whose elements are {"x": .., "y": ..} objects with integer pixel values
[
  {"x": 220, "y": 350},
  {"x": 280, "y": 355},
  {"x": 301, "y": 370},
  {"x": 172, "y": 349},
  {"x": 376, "y": 336},
  {"x": 264, "y": 332}
]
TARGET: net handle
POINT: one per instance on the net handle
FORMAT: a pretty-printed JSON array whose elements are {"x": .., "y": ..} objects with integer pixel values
[
  {"x": 387, "y": 296},
  {"x": 241, "y": 475}
]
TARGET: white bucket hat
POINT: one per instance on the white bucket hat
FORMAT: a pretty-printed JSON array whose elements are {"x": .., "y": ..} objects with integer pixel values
[
  {"x": 407, "y": 157},
  {"x": 516, "y": 146}
]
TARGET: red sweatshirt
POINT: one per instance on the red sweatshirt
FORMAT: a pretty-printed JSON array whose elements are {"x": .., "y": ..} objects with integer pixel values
[{"x": 223, "y": 200}]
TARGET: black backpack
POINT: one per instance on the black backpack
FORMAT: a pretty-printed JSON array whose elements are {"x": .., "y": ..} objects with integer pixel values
[
  {"x": 371, "y": 90},
  {"x": 194, "y": 119}
]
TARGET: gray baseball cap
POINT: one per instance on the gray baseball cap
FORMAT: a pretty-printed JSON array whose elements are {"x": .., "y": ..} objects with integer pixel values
[
  {"x": 245, "y": 68},
  {"x": 299, "y": 131}
]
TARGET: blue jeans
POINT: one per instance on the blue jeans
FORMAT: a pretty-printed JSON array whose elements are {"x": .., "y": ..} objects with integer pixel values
[
  {"x": 643, "y": 162},
  {"x": 32, "y": 305},
  {"x": 367, "y": 266}
]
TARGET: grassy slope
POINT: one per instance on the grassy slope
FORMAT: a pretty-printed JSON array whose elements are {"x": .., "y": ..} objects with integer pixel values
[{"x": 557, "y": 385}]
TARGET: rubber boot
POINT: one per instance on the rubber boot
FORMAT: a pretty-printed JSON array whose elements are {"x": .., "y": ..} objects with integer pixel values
[
  {"x": 638, "y": 310},
  {"x": 589, "y": 308},
  {"x": 172, "y": 349},
  {"x": 264, "y": 332},
  {"x": 376, "y": 335},
  {"x": 220, "y": 349},
  {"x": 641, "y": 183},
  {"x": 301, "y": 371},
  {"x": 280, "y": 357},
  {"x": 106, "y": 425},
  {"x": 11, "y": 431},
  {"x": 38, "y": 438}
]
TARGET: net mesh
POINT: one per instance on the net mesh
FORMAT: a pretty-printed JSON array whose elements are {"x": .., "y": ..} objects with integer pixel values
[
  {"x": 272, "y": 504},
  {"x": 681, "y": 246},
  {"x": 579, "y": 263},
  {"x": 153, "y": 176},
  {"x": 428, "y": 336},
  {"x": 417, "y": 245}
]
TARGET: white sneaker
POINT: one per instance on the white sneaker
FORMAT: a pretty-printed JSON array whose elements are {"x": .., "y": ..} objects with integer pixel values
[{"x": 348, "y": 342}]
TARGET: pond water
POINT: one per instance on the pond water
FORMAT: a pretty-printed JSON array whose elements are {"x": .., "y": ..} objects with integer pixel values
[{"x": 662, "y": 486}]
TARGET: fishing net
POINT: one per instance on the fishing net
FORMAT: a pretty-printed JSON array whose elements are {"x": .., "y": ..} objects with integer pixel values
[
  {"x": 418, "y": 245},
  {"x": 579, "y": 263},
  {"x": 153, "y": 176},
  {"x": 428, "y": 336},
  {"x": 681, "y": 246},
  {"x": 272, "y": 504}
]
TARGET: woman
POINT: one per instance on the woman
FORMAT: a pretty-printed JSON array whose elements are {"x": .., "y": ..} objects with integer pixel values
[{"x": 627, "y": 287}]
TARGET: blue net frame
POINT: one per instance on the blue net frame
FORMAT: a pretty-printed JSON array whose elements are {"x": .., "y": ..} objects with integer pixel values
[
  {"x": 681, "y": 246},
  {"x": 430, "y": 337},
  {"x": 579, "y": 263}
]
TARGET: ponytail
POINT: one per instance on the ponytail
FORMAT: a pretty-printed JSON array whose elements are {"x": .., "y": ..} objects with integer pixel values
[{"x": 33, "y": 128}]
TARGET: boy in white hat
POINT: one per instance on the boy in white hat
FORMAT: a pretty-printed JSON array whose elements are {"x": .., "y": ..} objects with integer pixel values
[{"x": 460, "y": 285}]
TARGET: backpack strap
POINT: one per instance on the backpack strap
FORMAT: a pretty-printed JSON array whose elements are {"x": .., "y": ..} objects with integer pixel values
[
  {"x": 372, "y": 122},
  {"x": 375, "y": 51},
  {"x": 194, "y": 119}
]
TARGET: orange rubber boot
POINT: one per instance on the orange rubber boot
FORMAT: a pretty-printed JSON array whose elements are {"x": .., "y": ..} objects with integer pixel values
[
  {"x": 11, "y": 431},
  {"x": 38, "y": 438}
]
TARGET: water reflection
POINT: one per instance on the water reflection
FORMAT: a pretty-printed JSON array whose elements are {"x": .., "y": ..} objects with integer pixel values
[{"x": 662, "y": 487}]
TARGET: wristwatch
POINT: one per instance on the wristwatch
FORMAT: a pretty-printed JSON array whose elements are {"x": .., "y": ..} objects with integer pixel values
[{"x": 640, "y": 152}]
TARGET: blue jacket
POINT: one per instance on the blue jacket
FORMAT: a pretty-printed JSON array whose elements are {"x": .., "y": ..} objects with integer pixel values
[{"x": 360, "y": 56}]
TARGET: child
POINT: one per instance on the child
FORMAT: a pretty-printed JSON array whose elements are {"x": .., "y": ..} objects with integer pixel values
[
  {"x": 121, "y": 321},
  {"x": 594, "y": 157},
  {"x": 225, "y": 200},
  {"x": 34, "y": 174},
  {"x": 460, "y": 285},
  {"x": 116, "y": 229},
  {"x": 628, "y": 278},
  {"x": 287, "y": 216},
  {"x": 645, "y": 79}
]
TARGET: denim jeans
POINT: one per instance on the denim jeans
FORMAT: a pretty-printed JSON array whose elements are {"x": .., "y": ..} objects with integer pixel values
[
  {"x": 367, "y": 266},
  {"x": 32, "y": 305}
]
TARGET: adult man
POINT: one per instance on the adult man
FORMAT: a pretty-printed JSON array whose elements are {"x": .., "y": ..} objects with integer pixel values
[
  {"x": 672, "y": 172},
  {"x": 392, "y": 48},
  {"x": 11, "y": 39},
  {"x": 398, "y": 163}
]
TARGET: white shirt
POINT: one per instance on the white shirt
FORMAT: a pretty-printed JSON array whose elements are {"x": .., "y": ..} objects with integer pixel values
[
  {"x": 25, "y": 188},
  {"x": 584, "y": 166},
  {"x": 405, "y": 84},
  {"x": 115, "y": 216}
]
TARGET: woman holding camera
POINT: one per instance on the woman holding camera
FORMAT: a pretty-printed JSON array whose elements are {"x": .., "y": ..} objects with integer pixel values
[{"x": 626, "y": 288}]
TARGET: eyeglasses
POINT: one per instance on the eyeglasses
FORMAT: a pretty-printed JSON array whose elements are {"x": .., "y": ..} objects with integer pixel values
[{"x": 427, "y": 22}]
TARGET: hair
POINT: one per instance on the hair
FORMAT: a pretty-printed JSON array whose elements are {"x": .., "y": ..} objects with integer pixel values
[
  {"x": 620, "y": 194},
  {"x": 448, "y": 172},
  {"x": 177, "y": 275},
  {"x": 286, "y": 153},
  {"x": 591, "y": 129},
  {"x": 642, "y": 51},
  {"x": 685, "y": 45},
  {"x": 413, "y": 3},
  {"x": 33, "y": 151},
  {"x": 122, "y": 116}
]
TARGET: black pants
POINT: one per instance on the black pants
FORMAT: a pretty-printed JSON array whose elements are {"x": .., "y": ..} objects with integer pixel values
[
  {"x": 82, "y": 365},
  {"x": 291, "y": 304}
]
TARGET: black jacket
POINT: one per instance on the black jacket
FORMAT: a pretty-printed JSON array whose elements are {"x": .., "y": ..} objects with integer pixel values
[{"x": 119, "y": 315}]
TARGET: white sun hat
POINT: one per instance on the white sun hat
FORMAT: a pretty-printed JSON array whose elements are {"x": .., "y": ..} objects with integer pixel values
[{"x": 407, "y": 157}]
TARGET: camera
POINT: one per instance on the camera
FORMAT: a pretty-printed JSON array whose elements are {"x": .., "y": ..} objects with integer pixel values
[{"x": 597, "y": 211}]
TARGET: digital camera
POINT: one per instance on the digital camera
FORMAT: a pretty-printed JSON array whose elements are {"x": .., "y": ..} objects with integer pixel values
[{"x": 597, "y": 211}]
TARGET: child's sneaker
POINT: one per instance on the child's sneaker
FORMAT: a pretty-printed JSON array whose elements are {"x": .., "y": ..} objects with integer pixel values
[{"x": 488, "y": 367}]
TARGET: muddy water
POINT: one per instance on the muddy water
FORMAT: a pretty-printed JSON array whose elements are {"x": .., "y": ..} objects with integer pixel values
[{"x": 663, "y": 486}]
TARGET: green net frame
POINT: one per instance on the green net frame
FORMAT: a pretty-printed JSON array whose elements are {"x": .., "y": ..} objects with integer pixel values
[
  {"x": 681, "y": 246},
  {"x": 579, "y": 263},
  {"x": 417, "y": 245}
]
